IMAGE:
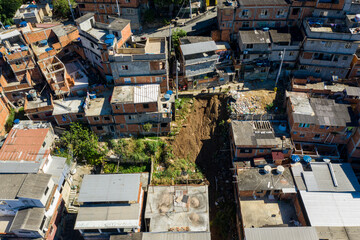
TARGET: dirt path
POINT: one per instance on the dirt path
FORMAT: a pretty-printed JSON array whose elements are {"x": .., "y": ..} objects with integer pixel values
[{"x": 204, "y": 140}]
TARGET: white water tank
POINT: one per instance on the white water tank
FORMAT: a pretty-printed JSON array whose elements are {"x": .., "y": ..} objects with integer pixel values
[
  {"x": 357, "y": 18},
  {"x": 267, "y": 169},
  {"x": 280, "y": 169}
]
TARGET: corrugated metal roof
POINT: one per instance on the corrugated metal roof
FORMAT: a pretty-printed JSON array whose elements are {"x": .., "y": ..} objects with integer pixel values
[
  {"x": 164, "y": 236},
  {"x": 344, "y": 175},
  {"x": 34, "y": 186},
  {"x": 146, "y": 93},
  {"x": 10, "y": 185},
  {"x": 332, "y": 208},
  {"x": 24, "y": 144},
  {"x": 19, "y": 167},
  {"x": 352, "y": 91},
  {"x": 177, "y": 236},
  {"x": 200, "y": 47},
  {"x": 127, "y": 216},
  {"x": 281, "y": 233},
  {"x": 28, "y": 219},
  {"x": 110, "y": 188}
]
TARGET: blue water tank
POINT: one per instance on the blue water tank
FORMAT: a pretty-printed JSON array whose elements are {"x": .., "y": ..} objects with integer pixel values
[
  {"x": 169, "y": 92},
  {"x": 295, "y": 158},
  {"x": 17, "y": 121},
  {"x": 307, "y": 158},
  {"x": 167, "y": 96}
]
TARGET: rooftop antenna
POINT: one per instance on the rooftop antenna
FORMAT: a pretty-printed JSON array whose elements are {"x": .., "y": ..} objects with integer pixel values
[
  {"x": 71, "y": 10},
  {"x": 117, "y": 5}
]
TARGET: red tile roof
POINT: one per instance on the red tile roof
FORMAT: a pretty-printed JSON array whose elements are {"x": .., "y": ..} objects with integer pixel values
[{"x": 24, "y": 144}]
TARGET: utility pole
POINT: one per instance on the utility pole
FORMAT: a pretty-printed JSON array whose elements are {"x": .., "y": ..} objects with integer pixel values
[
  {"x": 190, "y": 10},
  {"x": 71, "y": 10},
  {"x": 177, "y": 78},
  {"x": 281, "y": 64},
  {"x": 117, "y": 5}
]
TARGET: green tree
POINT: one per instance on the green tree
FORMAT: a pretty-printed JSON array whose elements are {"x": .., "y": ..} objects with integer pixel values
[
  {"x": 84, "y": 143},
  {"x": 147, "y": 127},
  {"x": 62, "y": 8},
  {"x": 176, "y": 35},
  {"x": 165, "y": 3},
  {"x": 8, "y": 9}
]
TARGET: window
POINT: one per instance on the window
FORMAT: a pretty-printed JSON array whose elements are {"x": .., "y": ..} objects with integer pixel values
[
  {"x": 96, "y": 119},
  {"x": 101, "y": 6},
  {"x": 44, "y": 144},
  {"x": 64, "y": 118},
  {"x": 264, "y": 12},
  {"x": 100, "y": 128},
  {"x": 117, "y": 107},
  {"x": 66, "y": 50},
  {"x": 250, "y": 46},
  {"x": 112, "y": 128},
  {"x": 127, "y": 1},
  {"x": 348, "y": 45},
  {"x": 79, "y": 116},
  {"x": 164, "y": 105},
  {"x": 127, "y": 80},
  {"x": 323, "y": 13},
  {"x": 46, "y": 190},
  {"x": 122, "y": 126},
  {"x": 345, "y": 58},
  {"x": 302, "y": 135},
  {"x": 336, "y": 58},
  {"x": 322, "y": 127},
  {"x": 129, "y": 117},
  {"x": 125, "y": 67},
  {"x": 130, "y": 11},
  {"x": 145, "y": 105},
  {"x": 246, "y": 56},
  {"x": 81, "y": 5},
  {"x": 18, "y": 63},
  {"x": 280, "y": 12},
  {"x": 245, "y": 150},
  {"x": 163, "y": 124},
  {"x": 107, "y": 118},
  {"x": 246, "y": 24},
  {"x": 328, "y": 44},
  {"x": 42, "y": 223},
  {"x": 295, "y": 133},
  {"x": 295, "y": 11},
  {"x": 261, "y": 150},
  {"x": 245, "y": 13},
  {"x": 158, "y": 79},
  {"x": 302, "y": 67},
  {"x": 317, "y": 70},
  {"x": 35, "y": 116},
  {"x": 92, "y": 45},
  {"x": 291, "y": 53},
  {"x": 304, "y": 125},
  {"x": 317, "y": 136}
]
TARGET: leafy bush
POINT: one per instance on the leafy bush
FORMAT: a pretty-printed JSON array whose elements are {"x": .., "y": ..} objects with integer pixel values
[{"x": 147, "y": 127}]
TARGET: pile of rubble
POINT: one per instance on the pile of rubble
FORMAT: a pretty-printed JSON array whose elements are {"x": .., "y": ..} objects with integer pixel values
[{"x": 243, "y": 104}]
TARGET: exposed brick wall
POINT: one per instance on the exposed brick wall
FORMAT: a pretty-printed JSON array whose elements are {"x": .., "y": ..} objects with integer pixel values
[{"x": 4, "y": 113}]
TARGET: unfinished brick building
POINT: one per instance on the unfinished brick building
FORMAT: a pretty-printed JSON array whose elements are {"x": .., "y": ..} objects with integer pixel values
[
  {"x": 100, "y": 40},
  {"x": 141, "y": 62},
  {"x": 319, "y": 120},
  {"x": 128, "y": 9}
]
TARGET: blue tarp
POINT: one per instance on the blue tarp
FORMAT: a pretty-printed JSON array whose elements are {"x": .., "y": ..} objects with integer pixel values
[
  {"x": 31, "y": 6},
  {"x": 16, "y": 121},
  {"x": 48, "y": 49},
  {"x": 23, "y": 24},
  {"x": 169, "y": 92},
  {"x": 7, "y": 26}
]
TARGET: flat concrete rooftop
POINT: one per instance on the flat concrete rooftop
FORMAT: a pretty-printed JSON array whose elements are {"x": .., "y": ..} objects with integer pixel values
[{"x": 264, "y": 212}]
